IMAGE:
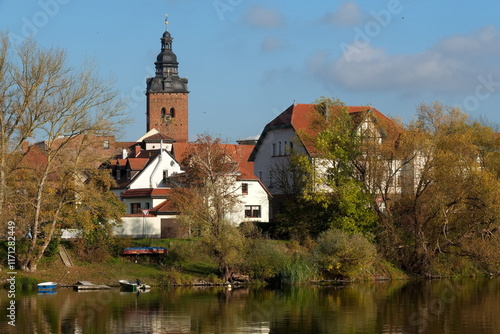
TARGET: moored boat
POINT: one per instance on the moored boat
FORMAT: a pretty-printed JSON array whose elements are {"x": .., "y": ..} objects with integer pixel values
[
  {"x": 47, "y": 286},
  {"x": 144, "y": 250},
  {"x": 132, "y": 286},
  {"x": 86, "y": 285}
]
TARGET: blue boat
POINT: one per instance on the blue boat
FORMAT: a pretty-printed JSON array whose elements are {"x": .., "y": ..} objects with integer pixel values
[{"x": 47, "y": 287}]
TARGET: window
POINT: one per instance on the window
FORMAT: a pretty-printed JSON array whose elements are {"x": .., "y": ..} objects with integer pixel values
[
  {"x": 279, "y": 148},
  {"x": 285, "y": 148},
  {"x": 146, "y": 205},
  {"x": 252, "y": 211},
  {"x": 135, "y": 208},
  {"x": 172, "y": 112},
  {"x": 274, "y": 149},
  {"x": 118, "y": 174},
  {"x": 105, "y": 144},
  {"x": 244, "y": 188},
  {"x": 271, "y": 179}
]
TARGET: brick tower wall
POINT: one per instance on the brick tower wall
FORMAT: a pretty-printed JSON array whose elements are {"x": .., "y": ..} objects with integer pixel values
[{"x": 178, "y": 128}]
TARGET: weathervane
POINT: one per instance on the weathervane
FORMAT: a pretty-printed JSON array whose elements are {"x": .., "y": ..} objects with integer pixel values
[{"x": 166, "y": 22}]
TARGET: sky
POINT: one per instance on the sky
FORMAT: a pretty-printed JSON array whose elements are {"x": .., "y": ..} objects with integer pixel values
[{"x": 248, "y": 60}]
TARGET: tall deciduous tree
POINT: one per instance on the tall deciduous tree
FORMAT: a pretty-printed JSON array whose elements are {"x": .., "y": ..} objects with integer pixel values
[
  {"x": 41, "y": 97},
  {"x": 206, "y": 196},
  {"x": 452, "y": 202}
]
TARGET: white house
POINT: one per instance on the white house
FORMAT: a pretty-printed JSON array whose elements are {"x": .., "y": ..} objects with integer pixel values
[
  {"x": 142, "y": 171},
  {"x": 290, "y": 131}
]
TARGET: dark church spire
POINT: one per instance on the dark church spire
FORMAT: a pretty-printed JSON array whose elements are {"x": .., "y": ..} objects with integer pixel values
[{"x": 166, "y": 76}]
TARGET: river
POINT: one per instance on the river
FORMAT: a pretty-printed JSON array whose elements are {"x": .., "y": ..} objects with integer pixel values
[{"x": 438, "y": 306}]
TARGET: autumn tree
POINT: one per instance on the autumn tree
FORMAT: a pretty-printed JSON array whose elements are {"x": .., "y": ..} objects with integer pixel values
[
  {"x": 41, "y": 97},
  {"x": 451, "y": 203},
  {"x": 206, "y": 196}
]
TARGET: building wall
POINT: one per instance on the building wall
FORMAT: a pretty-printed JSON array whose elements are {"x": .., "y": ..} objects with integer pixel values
[
  {"x": 178, "y": 127},
  {"x": 269, "y": 159},
  {"x": 139, "y": 227},
  {"x": 256, "y": 196},
  {"x": 153, "y": 173}
]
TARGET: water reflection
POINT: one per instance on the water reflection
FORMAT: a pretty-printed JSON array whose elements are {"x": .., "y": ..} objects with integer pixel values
[{"x": 442, "y": 306}]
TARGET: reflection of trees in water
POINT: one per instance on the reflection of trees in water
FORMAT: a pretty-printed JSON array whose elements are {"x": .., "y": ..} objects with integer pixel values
[{"x": 392, "y": 307}]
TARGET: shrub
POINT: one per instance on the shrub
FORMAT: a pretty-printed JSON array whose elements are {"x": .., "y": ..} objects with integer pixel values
[
  {"x": 339, "y": 254},
  {"x": 265, "y": 259}
]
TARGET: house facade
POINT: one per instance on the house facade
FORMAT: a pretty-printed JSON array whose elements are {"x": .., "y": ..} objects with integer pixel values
[{"x": 292, "y": 130}]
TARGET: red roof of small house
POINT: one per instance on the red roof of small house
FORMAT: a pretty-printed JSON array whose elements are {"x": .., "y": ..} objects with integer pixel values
[
  {"x": 146, "y": 192},
  {"x": 137, "y": 163},
  {"x": 239, "y": 153},
  {"x": 165, "y": 206}
]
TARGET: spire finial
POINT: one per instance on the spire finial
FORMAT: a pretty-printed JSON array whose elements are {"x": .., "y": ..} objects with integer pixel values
[{"x": 166, "y": 22}]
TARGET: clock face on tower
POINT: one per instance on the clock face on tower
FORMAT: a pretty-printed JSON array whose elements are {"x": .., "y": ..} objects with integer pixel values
[{"x": 166, "y": 119}]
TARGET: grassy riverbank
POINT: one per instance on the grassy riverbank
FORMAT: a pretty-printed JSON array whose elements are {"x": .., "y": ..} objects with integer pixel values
[{"x": 187, "y": 264}]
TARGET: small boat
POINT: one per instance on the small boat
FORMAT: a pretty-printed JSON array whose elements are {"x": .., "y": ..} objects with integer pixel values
[
  {"x": 86, "y": 285},
  {"x": 47, "y": 287},
  {"x": 144, "y": 250},
  {"x": 132, "y": 286}
]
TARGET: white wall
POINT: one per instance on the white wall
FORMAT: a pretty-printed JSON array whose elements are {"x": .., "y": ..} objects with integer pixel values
[
  {"x": 257, "y": 195},
  {"x": 138, "y": 227},
  {"x": 265, "y": 161},
  {"x": 152, "y": 175}
]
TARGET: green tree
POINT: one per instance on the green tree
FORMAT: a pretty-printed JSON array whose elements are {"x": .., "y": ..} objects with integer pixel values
[
  {"x": 42, "y": 97},
  {"x": 329, "y": 192}
]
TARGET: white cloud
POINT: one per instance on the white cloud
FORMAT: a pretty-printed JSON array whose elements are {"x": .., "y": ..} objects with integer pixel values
[
  {"x": 348, "y": 14},
  {"x": 452, "y": 66},
  {"x": 272, "y": 44},
  {"x": 264, "y": 17}
]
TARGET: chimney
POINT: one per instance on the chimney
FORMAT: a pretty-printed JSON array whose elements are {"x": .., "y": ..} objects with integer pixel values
[{"x": 137, "y": 150}]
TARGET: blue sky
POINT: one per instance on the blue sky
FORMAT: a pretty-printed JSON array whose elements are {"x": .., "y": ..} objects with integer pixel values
[{"x": 248, "y": 60}]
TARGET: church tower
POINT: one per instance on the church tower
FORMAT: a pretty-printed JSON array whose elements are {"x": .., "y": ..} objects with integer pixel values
[{"x": 167, "y": 94}]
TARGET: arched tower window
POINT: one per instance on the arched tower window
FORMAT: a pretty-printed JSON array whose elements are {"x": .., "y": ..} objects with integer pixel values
[
  {"x": 172, "y": 112},
  {"x": 163, "y": 112}
]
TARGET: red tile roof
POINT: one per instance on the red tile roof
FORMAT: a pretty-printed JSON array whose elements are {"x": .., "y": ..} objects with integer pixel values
[
  {"x": 165, "y": 206},
  {"x": 300, "y": 117},
  {"x": 146, "y": 192},
  {"x": 137, "y": 163},
  {"x": 239, "y": 153}
]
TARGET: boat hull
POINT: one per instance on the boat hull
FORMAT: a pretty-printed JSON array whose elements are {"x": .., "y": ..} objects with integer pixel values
[
  {"x": 144, "y": 251},
  {"x": 47, "y": 286},
  {"x": 131, "y": 286}
]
